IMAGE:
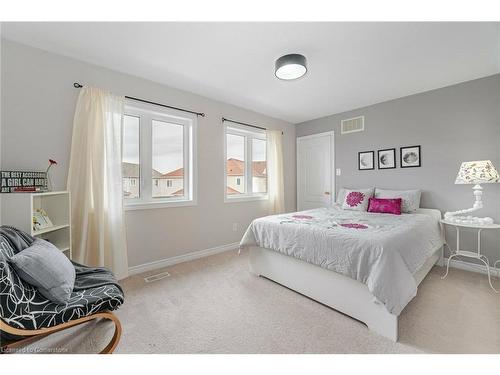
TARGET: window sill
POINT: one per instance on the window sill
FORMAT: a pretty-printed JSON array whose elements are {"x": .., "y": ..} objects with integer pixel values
[
  {"x": 245, "y": 198},
  {"x": 154, "y": 205}
]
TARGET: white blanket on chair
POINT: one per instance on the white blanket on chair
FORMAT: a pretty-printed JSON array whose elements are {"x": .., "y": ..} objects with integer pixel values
[{"x": 382, "y": 251}]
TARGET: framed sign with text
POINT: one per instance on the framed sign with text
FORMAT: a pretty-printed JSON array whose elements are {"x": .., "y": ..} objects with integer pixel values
[{"x": 22, "y": 181}]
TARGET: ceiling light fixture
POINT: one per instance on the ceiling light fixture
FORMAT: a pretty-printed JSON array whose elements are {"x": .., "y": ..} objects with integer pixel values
[{"x": 290, "y": 66}]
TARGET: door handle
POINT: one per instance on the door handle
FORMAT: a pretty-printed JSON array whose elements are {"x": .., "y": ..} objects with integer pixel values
[{"x": 327, "y": 193}]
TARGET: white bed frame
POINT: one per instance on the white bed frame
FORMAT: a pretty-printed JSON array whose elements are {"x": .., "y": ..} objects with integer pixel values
[{"x": 337, "y": 291}]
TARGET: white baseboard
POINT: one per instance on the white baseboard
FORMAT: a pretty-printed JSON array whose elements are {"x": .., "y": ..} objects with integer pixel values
[
  {"x": 134, "y": 270},
  {"x": 467, "y": 266}
]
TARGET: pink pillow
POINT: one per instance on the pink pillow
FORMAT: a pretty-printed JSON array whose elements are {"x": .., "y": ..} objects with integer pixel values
[{"x": 385, "y": 206}]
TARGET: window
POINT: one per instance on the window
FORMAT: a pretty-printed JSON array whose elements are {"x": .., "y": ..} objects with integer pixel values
[
  {"x": 235, "y": 164},
  {"x": 130, "y": 159},
  {"x": 245, "y": 166},
  {"x": 158, "y": 160},
  {"x": 259, "y": 166},
  {"x": 168, "y": 157}
]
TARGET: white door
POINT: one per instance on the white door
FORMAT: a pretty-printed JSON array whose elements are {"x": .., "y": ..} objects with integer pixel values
[{"x": 315, "y": 171}]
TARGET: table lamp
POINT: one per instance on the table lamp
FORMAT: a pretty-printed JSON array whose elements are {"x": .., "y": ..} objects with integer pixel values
[{"x": 474, "y": 173}]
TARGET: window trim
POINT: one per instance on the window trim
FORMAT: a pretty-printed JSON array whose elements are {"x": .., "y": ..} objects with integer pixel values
[
  {"x": 249, "y": 135},
  {"x": 147, "y": 113}
]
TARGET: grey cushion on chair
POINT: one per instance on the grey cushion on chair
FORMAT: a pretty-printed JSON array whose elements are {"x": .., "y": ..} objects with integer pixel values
[{"x": 45, "y": 266}]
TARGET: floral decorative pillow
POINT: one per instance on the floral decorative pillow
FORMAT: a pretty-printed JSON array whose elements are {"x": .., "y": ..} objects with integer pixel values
[
  {"x": 343, "y": 191},
  {"x": 356, "y": 200}
]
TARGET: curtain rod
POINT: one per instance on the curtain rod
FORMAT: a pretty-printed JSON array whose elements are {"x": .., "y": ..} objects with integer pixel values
[
  {"x": 78, "y": 86},
  {"x": 244, "y": 123}
]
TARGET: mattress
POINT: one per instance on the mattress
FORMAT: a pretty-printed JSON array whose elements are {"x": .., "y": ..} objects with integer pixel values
[{"x": 382, "y": 251}]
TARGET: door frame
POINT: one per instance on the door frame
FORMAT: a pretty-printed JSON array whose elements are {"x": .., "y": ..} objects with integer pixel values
[{"x": 332, "y": 174}]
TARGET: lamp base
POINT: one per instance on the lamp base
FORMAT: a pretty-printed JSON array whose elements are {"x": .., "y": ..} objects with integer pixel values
[{"x": 457, "y": 216}]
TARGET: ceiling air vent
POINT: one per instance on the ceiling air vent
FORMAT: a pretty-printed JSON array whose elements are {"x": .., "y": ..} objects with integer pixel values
[{"x": 352, "y": 125}]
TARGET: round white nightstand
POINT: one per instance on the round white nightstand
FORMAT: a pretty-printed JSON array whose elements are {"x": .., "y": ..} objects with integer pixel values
[{"x": 470, "y": 254}]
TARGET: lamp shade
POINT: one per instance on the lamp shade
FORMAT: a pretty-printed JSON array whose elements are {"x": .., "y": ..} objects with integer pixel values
[
  {"x": 290, "y": 67},
  {"x": 477, "y": 172}
]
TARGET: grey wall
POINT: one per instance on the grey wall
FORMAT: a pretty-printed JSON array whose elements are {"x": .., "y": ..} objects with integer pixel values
[
  {"x": 452, "y": 124},
  {"x": 38, "y": 101}
]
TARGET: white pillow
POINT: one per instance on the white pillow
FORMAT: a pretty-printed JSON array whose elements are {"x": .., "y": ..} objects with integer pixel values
[
  {"x": 356, "y": 199},
  {"x": 410, "y": 198},
  {"x": 341, "y": 196}
]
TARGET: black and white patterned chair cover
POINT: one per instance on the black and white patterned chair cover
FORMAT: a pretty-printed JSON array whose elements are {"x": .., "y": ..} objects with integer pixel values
[{"x": 22, "y": 306}]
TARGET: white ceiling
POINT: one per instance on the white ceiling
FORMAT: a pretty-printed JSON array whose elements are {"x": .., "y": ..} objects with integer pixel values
[{"x": 350, "y": 64}]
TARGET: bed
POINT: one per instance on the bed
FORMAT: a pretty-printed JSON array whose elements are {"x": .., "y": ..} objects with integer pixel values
[{"x": 365, "y": 265}]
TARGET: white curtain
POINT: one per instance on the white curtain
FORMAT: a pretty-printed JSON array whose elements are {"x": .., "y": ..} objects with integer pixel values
[
  {"x": 95, "y": 182},
  {"x": 275, "y": 172}
]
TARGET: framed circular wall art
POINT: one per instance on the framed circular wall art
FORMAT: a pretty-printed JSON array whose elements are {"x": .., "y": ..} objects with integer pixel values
[
  {"x": 366, "y": 160},
  {"x": 410, "y": 157},
  {"x": 387, "y": 158}
]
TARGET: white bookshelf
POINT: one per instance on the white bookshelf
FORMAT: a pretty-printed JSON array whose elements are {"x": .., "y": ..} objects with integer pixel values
[{"x": 18, "y": 208}]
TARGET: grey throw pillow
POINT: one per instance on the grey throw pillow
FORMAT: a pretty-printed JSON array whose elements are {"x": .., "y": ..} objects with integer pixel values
[{"x": 45, "y": 266}]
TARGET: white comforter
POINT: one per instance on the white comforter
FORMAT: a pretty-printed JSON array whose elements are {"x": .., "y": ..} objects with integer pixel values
[{"x": 382, "y": 251}]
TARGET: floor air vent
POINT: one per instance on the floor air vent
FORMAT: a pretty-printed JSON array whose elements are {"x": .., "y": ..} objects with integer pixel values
[
  {"x": 352, "y": 125},
  {"x": 156, "y": 277}
]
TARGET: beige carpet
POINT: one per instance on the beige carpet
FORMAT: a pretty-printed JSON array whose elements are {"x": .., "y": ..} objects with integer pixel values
[{"x": 214, "y": 305}]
